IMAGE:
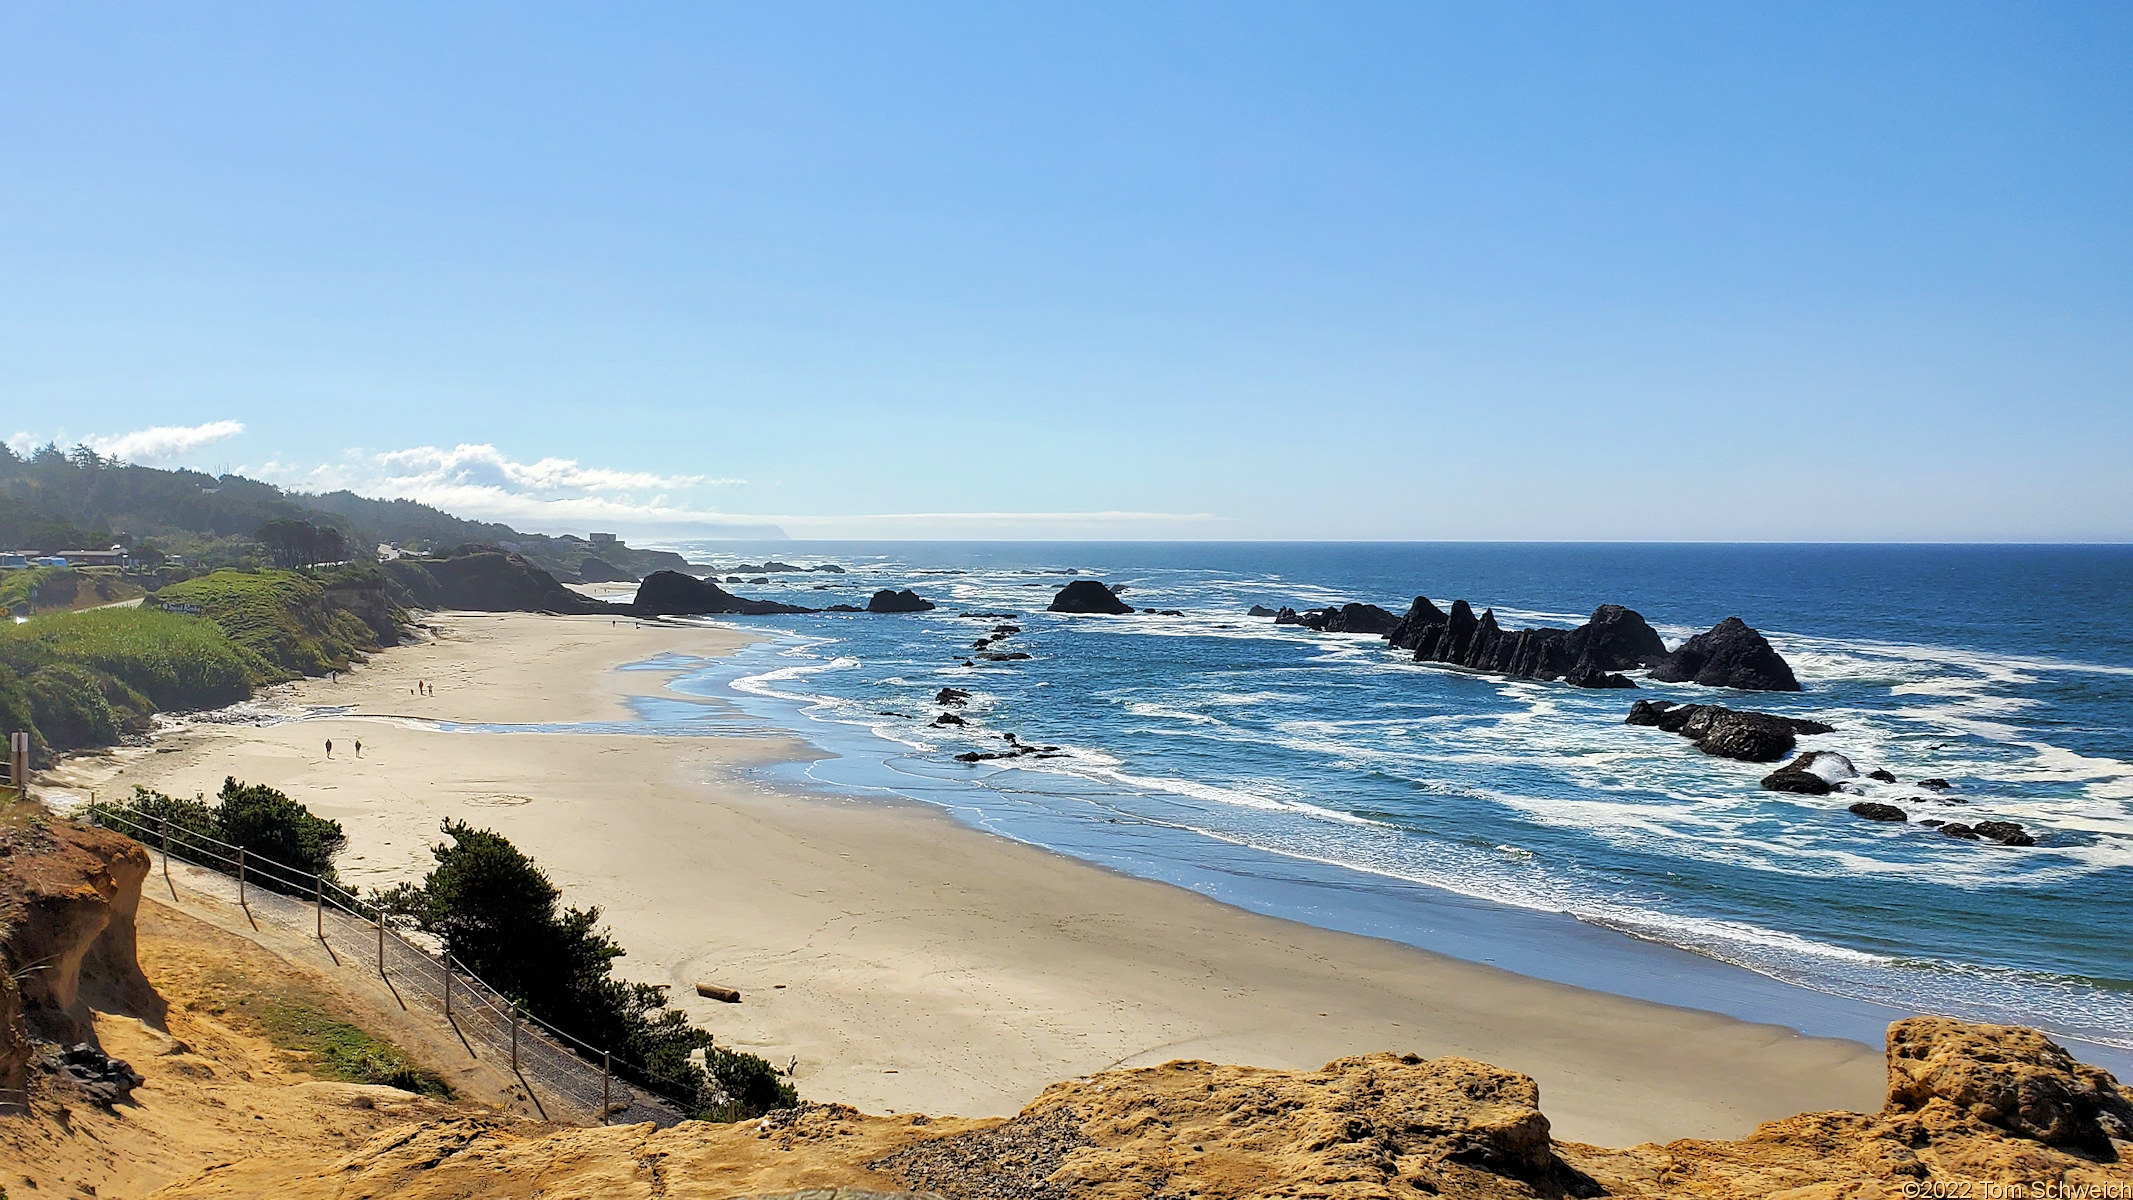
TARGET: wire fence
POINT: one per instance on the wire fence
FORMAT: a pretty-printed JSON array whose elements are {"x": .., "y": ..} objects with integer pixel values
[{"x": 566, "y": 1078}]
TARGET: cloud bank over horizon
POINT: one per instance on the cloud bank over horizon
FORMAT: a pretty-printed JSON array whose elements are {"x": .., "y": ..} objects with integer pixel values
[
  {"x": 154, "y": 446},
  {"x": 561, "y": 495}
]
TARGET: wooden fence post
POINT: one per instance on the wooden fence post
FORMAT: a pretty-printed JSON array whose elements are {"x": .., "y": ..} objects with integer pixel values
[
  {"x": 381, "y": 943},
  {"x": 240, "y": 877},
  {"x": 514, "y": 1037},
  {"x": 318, "y": 903},
  {"x": 607, "y": 1073}
]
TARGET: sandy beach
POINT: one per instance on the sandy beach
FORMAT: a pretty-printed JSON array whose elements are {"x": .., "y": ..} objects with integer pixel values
[{"x": 911, "y": 963}]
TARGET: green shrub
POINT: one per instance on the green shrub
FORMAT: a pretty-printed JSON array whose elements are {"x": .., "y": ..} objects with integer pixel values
[
  {"x": 264, "y": 821},
  {"x": 498, "y": 913}
]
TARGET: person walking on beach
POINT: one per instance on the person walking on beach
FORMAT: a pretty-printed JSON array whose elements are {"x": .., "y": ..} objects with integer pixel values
[
  {"x": 359, "y": 747},
  {"x": 329, "y": 747}
]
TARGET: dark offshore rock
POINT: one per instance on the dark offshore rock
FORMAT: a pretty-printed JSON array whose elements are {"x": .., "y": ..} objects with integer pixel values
[
  {"x": 1815, "y": 773},
  {"x": 949, "y": 718},
  {"x": 1260, "y": 610},
  {"x": 2006, "y": 833},
  {"x": 1724, "y": 732},
  {"x": 1008, "y": 656},
  {"x": 950, "y": 695},
  {"x": 1938, "y": 785},
  {"x": 1879, "y": 812},
  {"x": 760, "y": 579},
  {"x": 1955, "y": 830},
  {"x": 1288, "y": 616},
  {"x": 905, "y": 601},
  {"x": 671, "y": 593},
  {"x": 844, "y": 608},
  {"x": 1729, "y": 654},
  {"x": 1881, "y": 774},
  {"x": 1349, "y": 618},
  {"x": 1088, "y": 596},
  {"x": 732, "y": 579}
]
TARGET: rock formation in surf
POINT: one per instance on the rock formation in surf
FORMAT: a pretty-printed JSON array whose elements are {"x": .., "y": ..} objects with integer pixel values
[
  {"x": 905, "y": 601},
  {"x": 671, "y": 593},
  {"x": 1815, "y": 773},
  {"x": 1088, "y": 596},
  {"x": 1340, "y": 618},
  {"x": 1729, "y": 654},
  {"x": 1724, "y": 732},
  {"x": 1615, "y": 639}
]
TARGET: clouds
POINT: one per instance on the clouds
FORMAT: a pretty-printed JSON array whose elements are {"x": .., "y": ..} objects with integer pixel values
[
  {"x": 484, "y": 466},
  {"x": 480, "y": 481},
  {"x": 152, "y": 446},
  {"x": 556, "y": 495}
]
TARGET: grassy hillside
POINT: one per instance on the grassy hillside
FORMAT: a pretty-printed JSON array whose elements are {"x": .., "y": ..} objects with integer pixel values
[
  {"x": 47, "y": 589},
  {"x": 77, "y": 680},
  {"x": 284, "y": 617}
]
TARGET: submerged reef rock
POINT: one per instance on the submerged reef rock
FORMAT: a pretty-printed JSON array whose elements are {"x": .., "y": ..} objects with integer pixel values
[
  {"x": 905, "y": 601},
  {"x": 1088, "y": 596},
  {"x": 671, "y": 593},
  {"x": 1729, "y": 654},
  {"x": 1724, "y": 732},
  {"x": 1615, "y": 639},
  {"x": 1964, "y": 1102}
]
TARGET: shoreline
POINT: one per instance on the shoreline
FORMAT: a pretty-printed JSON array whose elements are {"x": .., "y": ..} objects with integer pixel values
[{"x": 926, "y": 964}]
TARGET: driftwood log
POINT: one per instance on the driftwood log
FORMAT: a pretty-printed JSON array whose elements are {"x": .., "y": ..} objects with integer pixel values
[{"x": 711, "y": 991}]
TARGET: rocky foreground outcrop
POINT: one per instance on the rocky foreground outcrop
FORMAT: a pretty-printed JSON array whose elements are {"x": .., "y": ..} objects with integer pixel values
[
  {"x": 673, "y": 594},
  {"x": 1089, "y": 596},
  {"x": 67, "y": 905},
  {"x": 1977, "y": 1105},
  {"x": 1615, "y": 639}
]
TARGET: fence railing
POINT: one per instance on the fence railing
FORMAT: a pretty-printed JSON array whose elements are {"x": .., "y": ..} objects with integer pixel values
[{"x": 566, "y": 1064}]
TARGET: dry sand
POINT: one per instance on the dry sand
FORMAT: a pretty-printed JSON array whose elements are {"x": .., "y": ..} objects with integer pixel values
[{"x": 912, "y": 963}]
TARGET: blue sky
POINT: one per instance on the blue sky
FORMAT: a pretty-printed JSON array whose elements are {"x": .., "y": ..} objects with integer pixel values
[{"x": 1302, "y": 271}]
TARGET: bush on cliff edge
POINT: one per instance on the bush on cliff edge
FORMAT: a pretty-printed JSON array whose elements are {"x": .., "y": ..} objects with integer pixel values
[{"x": 497, "y": 912}]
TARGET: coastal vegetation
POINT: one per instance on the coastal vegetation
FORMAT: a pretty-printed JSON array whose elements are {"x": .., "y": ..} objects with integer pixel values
[
  {"x": 496, "y": 911},
  {"x": 45, "y": 589},
  {"x": 261, "y": 819},
  {"x": 290, "y": 619},
  {"x": 326, "y": 1045},
  {"x": 84, "y": 679}
]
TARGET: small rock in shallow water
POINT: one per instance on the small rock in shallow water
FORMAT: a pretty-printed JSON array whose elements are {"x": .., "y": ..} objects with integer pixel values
[
  {"x": 1955, "y": 830},
  {"x": 1938, "y": 785},
  {"x": 1879, "y": 812},
  {"x": 2006, "y": 833},
  {"x": 1883, "y": 776}
]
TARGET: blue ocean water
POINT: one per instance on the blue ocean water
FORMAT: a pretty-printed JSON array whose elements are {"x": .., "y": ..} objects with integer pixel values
[{"x": 1216, "y": 745}]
